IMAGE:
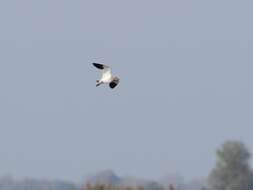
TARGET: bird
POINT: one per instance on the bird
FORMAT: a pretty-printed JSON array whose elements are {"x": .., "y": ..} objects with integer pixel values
[{"x": 107, "y": 77}]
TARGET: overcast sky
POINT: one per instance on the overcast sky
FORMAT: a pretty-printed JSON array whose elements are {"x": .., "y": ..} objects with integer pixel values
[{"x": 186, "y": 86}]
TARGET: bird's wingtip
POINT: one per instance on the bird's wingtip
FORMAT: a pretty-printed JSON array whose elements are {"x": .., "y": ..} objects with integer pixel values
[{"x": 98, "y": 65}]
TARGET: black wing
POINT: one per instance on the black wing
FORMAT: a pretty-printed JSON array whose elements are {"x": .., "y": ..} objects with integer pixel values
[
  {"x": 99, "y": 66},
  {"x": 114, "y": 83}
]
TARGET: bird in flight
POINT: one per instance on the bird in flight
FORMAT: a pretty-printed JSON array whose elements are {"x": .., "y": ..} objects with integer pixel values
[{"x": 107, "y": 77}]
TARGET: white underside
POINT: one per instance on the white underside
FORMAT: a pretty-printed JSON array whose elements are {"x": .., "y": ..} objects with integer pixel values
[{"x": 106, "y": 76}]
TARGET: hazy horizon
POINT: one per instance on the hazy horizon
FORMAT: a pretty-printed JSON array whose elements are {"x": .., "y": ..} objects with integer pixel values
[{"x": 186, "y": 86}]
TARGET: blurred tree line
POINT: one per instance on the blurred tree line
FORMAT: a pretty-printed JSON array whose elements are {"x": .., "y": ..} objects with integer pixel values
[
  {"x": 231, "y": 172},
  {"x": 120, "y": 187},
  {"x": 8, "y": 183}
]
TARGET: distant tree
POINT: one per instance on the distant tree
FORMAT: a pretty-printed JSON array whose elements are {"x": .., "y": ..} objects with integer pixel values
[
  {"x": 151, "y": 186},
  {"x": 140, "y": 188},
  {"x": 128, "y": 188},
  {"x": 171, "y": 187},
  {"x": 232, "y": 170},
  {"x": 87, "y": 186}
]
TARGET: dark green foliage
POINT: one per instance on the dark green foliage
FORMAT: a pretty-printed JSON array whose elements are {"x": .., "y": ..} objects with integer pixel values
[{"x": 232, "y": 171}]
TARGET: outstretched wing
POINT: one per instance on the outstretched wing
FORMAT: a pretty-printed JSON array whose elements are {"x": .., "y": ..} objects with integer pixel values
[
  {"x": 106, "y": 71},
  {"x": 114, "y": 83},
  {"x": 100, "y": 66}
]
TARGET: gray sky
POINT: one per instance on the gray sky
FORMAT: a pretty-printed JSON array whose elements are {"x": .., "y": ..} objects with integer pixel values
[{"x": 55, "y": 123}]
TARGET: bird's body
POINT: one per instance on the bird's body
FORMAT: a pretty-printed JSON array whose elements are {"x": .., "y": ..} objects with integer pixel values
[{"x": 107, "y": 77}]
